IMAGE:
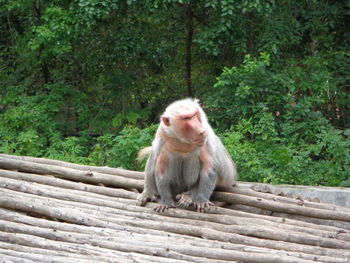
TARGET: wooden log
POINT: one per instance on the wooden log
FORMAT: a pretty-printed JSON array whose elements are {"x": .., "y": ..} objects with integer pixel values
[
  {"x": 74, "y": 251},
  {"x": 24, "y": 219},
  {"x": 140, "y": 176},
  {"x": 12, "y": 259},
  {"x": 125, "y": 246},
  {"x": 177, "y": 234},
  {"x": 280, "y": 207},
  {"x": 53, "y": 181},
  {"x": 88, "y": 168},
  {"x": 51, "y": 246},
  {"x": 123, "y": 182},
  {"x": 306, "y": 219},
  {"x": 270, "y": 231},
  {"x": 46, "y": 207},
  {"x": 64, "y": 258},
  {"x": 131, "y": 245},
  {"x": 287, "y": 200},
  {"x": 17, "y": 217},
  {"x": 258, "y": 202},
  {"x": 68, "y": 173},
  {"x": 61, "y": 183}
]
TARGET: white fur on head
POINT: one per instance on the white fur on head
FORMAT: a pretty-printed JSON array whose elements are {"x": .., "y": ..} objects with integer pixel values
[{"x": 180, "y": 107}]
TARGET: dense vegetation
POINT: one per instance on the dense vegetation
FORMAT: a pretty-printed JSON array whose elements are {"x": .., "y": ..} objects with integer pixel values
[{"x": 86, "y": 80}]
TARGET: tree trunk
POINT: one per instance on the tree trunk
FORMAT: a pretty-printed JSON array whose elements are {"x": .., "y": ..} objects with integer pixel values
[{"x": 189, "y": 42}]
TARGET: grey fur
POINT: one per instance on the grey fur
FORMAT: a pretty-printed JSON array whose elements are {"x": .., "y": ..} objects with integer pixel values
[{"x": 184, "y": 174}]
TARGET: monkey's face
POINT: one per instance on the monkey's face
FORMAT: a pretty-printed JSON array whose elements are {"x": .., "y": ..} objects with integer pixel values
[{"x": 189, "y": 127}]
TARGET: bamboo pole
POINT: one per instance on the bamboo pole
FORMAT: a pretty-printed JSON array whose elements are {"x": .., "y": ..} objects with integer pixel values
[
  {"x": 68, "y": 211},
  {"x": 108, "y": 218},
  {"x": 121, "y": 193},
  {"x": 280, "y": 207},
  {"x": 270, "y": 231},
  {"x": 88, "y": 168},
  {"x": 130, "y": 244},
  {"x": 69, "y": 173}
]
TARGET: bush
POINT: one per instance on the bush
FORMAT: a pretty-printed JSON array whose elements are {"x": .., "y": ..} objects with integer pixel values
[
  {"x": 121, "y": 150},
  {"x": 275, "y": 134}
]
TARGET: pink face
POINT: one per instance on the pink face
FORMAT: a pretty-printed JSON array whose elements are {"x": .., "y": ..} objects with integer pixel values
[{"x": 189, "y": 126}]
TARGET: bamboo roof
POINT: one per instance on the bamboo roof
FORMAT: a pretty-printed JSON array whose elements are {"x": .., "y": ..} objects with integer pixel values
[{"x": 54, "y": 211}]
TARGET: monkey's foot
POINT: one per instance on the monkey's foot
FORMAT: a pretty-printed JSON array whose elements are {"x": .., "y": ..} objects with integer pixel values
[
  {"x": 161, "y": 208},
  {"x": 184, "y": 200},
  {"x": 143, "y": 198},
  {"x": 203, "y": 206}
]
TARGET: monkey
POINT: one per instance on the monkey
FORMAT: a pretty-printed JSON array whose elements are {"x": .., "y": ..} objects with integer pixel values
[{"x": 187, "y": 160}]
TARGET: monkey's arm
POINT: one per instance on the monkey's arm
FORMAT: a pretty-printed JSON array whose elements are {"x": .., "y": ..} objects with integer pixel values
[
  {"x": 150, "y": 192},
  {"x": 163, "y": 177},
  {"x": 206, "y": 183},
  {"x": 164, "y": 189},
  {"x": 205, "y": 188}
]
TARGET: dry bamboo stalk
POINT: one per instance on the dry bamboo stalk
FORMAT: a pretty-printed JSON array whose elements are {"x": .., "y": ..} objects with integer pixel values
[
  {"x": 35, "y": 243},
  {"x": 270, "y": 231},
  {"x": 53, "y": 181},
  {"x": 24, "y": 219},
  {"x": 287, "y": 200},
  {"x": 224, "y": 197},
  {"x": 68, "y": 173},
  {"x": 140, "y": 175},
  {"x": 255, "y": 212},
  {"x": 169, "y": 250},
  {"x": 62, "y": 183},
  {"x": 80, "y": 251},
  {"x": 22, "y": 242},
  {"x": 280, "y": 207},
  {"x": 156, "y": 240},
  {"x": 335, "y": 234},
  {"x": 64, "y": 258},
  {"x": 129, "y": 193},
  {"x": 12, "y": 259},
  {"x": 74, "y": 215},
  {"x": 122, "y": 244},
  {"x": 104, "y": 170},
  {"x": 124, "y": 218},
  {"x": 332, "y": 223}
]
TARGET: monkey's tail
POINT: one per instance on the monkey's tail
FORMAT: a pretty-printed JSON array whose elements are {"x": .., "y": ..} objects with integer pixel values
[{"x": 144, "y": 154}]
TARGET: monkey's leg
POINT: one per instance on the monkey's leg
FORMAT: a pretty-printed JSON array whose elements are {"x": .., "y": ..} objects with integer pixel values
[
  {"x": 185, "y": 200},
  {"x": 145, "y": 197}
]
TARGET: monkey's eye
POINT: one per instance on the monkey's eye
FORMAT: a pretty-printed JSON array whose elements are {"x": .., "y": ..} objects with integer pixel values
[{"x": 187, "y": 118}]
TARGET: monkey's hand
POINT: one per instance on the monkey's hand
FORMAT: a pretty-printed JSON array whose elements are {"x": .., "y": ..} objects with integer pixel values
[
  {"x": 161, "y": 207},
  {"x": 203, "y": 206},
  {"x": 143, "y": 198},
  {"x": 184, "y": 200}
]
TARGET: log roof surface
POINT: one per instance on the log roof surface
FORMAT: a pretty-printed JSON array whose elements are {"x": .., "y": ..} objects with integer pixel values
[{"x": 53, "y": 211}]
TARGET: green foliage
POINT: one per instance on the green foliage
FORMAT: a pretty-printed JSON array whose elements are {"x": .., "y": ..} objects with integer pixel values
[
  {"x": 121, "y": 150},
  {"x": 81, "y": 80},
  {"x": 26, "y": 128},
  {"x": 278, "y": 135},
  {"x": 54, "y": 33},
  {"x": 70, "y": 149}
]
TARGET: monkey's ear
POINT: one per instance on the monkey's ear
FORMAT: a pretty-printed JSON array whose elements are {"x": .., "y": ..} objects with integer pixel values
[{"x": 166, "y": 120}]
